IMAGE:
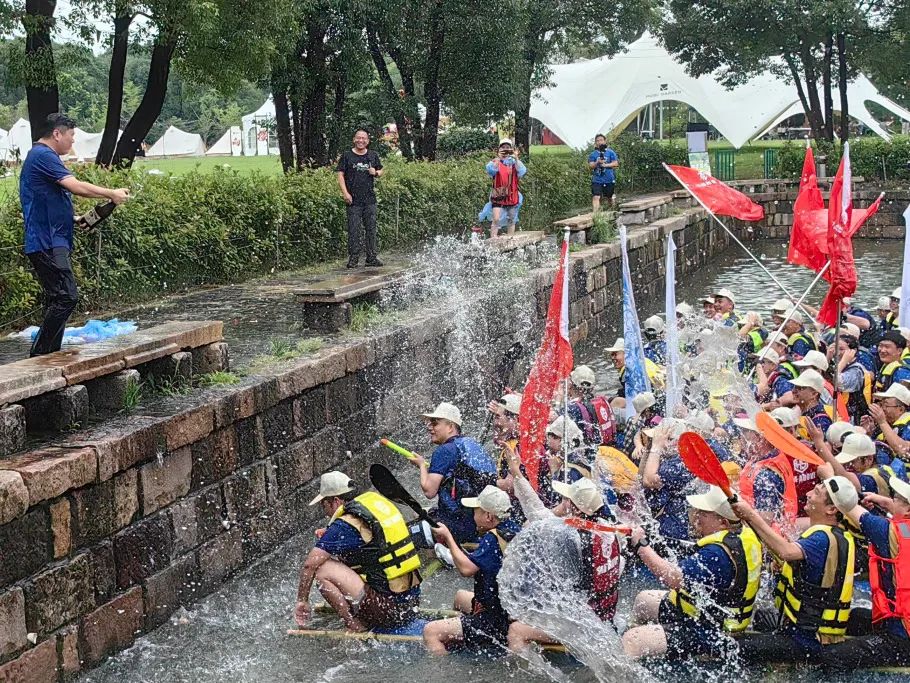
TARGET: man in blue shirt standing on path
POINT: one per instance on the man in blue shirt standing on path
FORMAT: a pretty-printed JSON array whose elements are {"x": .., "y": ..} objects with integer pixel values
[
  {"x": 602, "y": 161},
  {"x": 46, "y": 187}
]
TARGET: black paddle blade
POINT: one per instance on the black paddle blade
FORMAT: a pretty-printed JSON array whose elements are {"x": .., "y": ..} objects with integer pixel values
[{"x": 386, "y": 483}]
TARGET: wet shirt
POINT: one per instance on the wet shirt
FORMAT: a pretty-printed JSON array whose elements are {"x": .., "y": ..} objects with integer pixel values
[
  {"x": 880, "y": 533},
  {"x": 801, "y": 345},
  {"x": 656, "y": 351},
  {"x": 357, "y": 178},
  {"x": 852, "y": 378},
  {"x": 46, "y": 206},
  {"x": 488, "y": 558},
  {"x": 452, "y": 460},
  {"x": 709, "y": 567},
  {"x": 781, "y": 385},
  {"x": 818, "y": 416},
  {"x": 603, "y": 176},
  {"x": 668, "y": 503}
]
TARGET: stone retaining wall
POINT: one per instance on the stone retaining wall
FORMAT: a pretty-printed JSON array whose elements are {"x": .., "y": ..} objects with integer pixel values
[{"x": 104, "y": 534}]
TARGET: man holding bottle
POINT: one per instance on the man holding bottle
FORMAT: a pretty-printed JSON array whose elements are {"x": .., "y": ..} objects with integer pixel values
[
  {"x": 46, "y": 187},
  {"x": 602, "y": 161}
]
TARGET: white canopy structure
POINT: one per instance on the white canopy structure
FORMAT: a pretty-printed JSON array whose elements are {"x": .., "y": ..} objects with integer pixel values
[
  {"x": 603, "y": 95},
  {"x": 4, "y": 135},
  {"x": 177, "y": 143},
  {"x": 85, "y": 145},
  {"x": 256, "y": 129},
  {"x": 18, "y": 141},
  {"x": 229, "y": 144}
]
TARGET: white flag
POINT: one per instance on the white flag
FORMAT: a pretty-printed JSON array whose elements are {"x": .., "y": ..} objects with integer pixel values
[
  {"x": 904, "y": 317},
  {"x": 673, "y": 388}
]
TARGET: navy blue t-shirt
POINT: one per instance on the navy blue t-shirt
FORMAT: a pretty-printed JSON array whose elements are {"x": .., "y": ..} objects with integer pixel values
[
  {"x": 488, "y": 558},
  {"x": 444, "y": 460},
  {"x": 603, "y": 176},
  {"x": 668, "y": 503},
  {"x": 46, "y": 206}
]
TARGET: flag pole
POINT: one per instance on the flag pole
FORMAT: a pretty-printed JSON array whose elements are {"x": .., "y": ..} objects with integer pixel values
[
  {"x": 840, "y": 313},
  {"x": 565, "y": 384},
  {"x": 762, "y": 353},
  {"x": 737, "y": 240}
]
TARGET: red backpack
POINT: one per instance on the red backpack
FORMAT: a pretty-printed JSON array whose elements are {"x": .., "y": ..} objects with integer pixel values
[{"x": 598, "y": 411}]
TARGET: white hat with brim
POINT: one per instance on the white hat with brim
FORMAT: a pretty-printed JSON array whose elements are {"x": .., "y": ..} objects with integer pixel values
[
  {"x": 843, "y": 493},
  {"x": 332, "y": 484},
  {"x": 713, "y": 500},
  {"x": 896, "y": 391},
  {"x": 643, "y": 401},
  {"x": 896, "y": 293},
  {"x": 768, "y": 355},
  {"x": 676, "y": 427},
  {"x": 583, "y": 376},
  {"x": 445, "y": 411},
  {"x": 562, "y": 428},
  {"x": 809, "y": 379},
  {"x": 745, "y": 423},
  {"x": 884, "y": 303},
  {"x": 855, "y": 446},
  {"x": 813, "y": 359},
  {"x": 781, "y": 306},
  {"x": 619, "y": 345},
  {"x": 655, "y": 323},
  {"x": 492, "y": 499},
  {"x": 776, "y": 338},
  {"x": 511, "y": 403},
  {"x": 682, "y": 308},
  {"x": 505, "y": 142},
  {"x": 838, "y": 431},
  {"x": 794, "y": 316},
  {"x": 583, "y": 493},
  {"x": 850, "y": 330},
  {"x": 786, "y": 417},
  {"x": 707, "y": 300},
  {"x": 701, "y": 422},
  {"x": 900, "y": 487},
  {"x": 726, "y": 293}
]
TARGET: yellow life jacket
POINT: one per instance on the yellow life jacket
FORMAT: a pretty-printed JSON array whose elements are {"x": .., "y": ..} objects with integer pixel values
[
  {"x": 734, "y": 605},
  {"x": 388, "y": 556},
  {"x": 902, "y": 421},
  {"x": 503, "y": 536},
  {"x": 884, "y": 378},
  {"x": 623, "y": 471},
  {"x": 797, "y": 336},
  {"x": 881, "y": 474},
  {"x": 905, "y": 354},
  {"x": 825, "y": 607},
  {"x": 656, "y": 373},
  {"x": 802, "y": 432}
]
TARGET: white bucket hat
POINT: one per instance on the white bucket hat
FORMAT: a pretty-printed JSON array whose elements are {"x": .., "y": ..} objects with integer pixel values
[
  {"x": 810, "y": 379},
  {"x": 896, "y": 293},
  {"x": 332, "y": 484},
  {"x": 492, "y": 499},
  {"x": 619, "y": 345},
  {"x": 781, "y": 306},
  {"x": 813, "y": 359},
  {"x": 643, "y": 401},
  {"x": 655, "y": 323},
  {"x": 583, "y": 493},
  {"x": 855, "y": 446},
  {"x": 583, "y": 376},
  {"x": 727, "y": 294},
  {"x": 445, "y": 411},
  {"x": 713, "y": 500},
  {"x": 786, "y": 417}
]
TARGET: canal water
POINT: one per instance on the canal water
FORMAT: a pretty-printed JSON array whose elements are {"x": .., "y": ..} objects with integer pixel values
[{"x": 239, "y": 633}]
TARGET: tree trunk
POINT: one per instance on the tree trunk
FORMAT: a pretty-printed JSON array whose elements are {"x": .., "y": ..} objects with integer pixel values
[
  {"x": 826, "y": 88},
  {"x": 122, "y": 20},
  {"x": 341, "y": 88},
  {"x": 797, "y": 80},
  {"x": 523, "y": 106},
  {"x": 41, "y": 83},
  {"x": 431, "y": 86},
  {"x": 283, "y": 125},
  {"x": 313, "y": 106},
  {"x": 149, "y": 108},
  {"x": 813, "y": 113},
  {"x": 842, "y": 87},
  {"x": 404, "y": 137}
]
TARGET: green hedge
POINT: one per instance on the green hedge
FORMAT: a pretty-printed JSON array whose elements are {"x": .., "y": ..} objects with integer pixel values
[
  {"x": 870, "y": 157},
  {"x": 224, "y": 226}
]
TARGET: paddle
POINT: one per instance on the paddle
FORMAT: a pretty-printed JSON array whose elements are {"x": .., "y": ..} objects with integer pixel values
[
  {"x": 784, "y": 441},
  {"x": 701, "y": 461},
  {"x": 392, "y": 446},
  {"x": 386, "y": 483},
  {"x": 588, "y": 525}
]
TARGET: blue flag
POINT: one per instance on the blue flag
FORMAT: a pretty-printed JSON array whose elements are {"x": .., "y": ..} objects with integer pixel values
[
  {"x": 674, "y": 393},
  {"x": 637, "y": 381}
]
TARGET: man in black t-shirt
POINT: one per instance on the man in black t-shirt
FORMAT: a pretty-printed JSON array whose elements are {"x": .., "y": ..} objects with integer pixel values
[{"x": 357, "y": 168}]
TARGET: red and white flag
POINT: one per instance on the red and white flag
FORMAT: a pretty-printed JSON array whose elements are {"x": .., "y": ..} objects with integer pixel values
[
  {"x": 718, "y": 197},
  {"x": 552, "y": 364},
  {"x": 842, "y": 274}
]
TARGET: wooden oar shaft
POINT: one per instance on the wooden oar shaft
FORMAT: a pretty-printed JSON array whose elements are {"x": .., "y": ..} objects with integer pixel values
[{"x": 383, "y": 637}]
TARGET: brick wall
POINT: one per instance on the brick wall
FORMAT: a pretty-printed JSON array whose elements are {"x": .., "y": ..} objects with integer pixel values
[{"x": 104, "y": 535}]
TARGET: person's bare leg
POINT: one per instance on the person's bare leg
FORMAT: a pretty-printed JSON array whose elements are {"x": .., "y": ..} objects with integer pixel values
[
  {"x": 340, "y": 586},
  {"x": 595, "y": 203},
  {"x": 644, "y": 641},
  {"x": 521, "y": 636},
  {"x": 494, "y": 224},
  {"x": 463, "y": 601},
  {"x": 511, "y": 228},
  {"x": 646, "y": 606},
  {"x": 438, "y": 634}
]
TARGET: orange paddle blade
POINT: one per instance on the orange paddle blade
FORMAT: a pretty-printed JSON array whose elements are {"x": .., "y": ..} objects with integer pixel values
[
  {"x": 701, "y": 461},
  {"x": 784, "y": 441},
  {"x": 588, "y": 525}
]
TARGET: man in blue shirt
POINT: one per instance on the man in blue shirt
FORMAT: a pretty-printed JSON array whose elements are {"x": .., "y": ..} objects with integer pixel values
[
  {"x": 46, "y": 187},
  {"x": 458, "y": 468},
  {"x": 665, "y": 478},
  {"x": 602, "y": 161},
  {"x": 485, "y": 624}
]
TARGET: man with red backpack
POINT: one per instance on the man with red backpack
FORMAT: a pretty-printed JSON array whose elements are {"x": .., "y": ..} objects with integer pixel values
[
  {"x": 505, "y": 170},
  {"x": 590, "y": 411}
]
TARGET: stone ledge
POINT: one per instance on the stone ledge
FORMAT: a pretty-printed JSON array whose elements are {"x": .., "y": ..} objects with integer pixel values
[{"x": 51, "y": 472}]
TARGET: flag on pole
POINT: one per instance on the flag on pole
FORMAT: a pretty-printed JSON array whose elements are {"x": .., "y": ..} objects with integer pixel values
[
  {"x": 552, "y": 364},
  {"x": 904, "y": 315},
  {"x": 673, "y": 388},
  {"x": 637, "y": 381},
  {"x": 842, "y": 274},
  {"x": 808, "y": 237},
  {"x": 715, "y": 195}
]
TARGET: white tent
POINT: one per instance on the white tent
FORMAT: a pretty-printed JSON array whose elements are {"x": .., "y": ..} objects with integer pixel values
[
  {"x": 4, "y": 135},
  {"x": 85, "y": 145},
  {"x": 229, "y": 144},
  {"x": 18, "y": 141},
  {"x": 177, "y": 143},
  {"x": 602, "y": 95},
  {"x": 256, "y": 129}
]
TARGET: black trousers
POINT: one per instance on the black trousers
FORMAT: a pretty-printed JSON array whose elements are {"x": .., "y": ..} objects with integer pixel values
[
  {"x": 55, "y": 273},
  {"x": 877, "y": 649},
  {"x": 361, "y": 222}
]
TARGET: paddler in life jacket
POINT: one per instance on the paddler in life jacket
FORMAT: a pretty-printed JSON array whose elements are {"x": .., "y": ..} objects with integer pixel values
[
  {"x": 665, "y": 478},
  {"x": 505, "y": 170},
  {"x": 815, "y": 584},
  {"x": 886, "y": 641},
  {"x": 591, "y": 412},
  {"x": 799, "y": 342},
  {"x": 774, "y": 380},
  {"x": 485, "y": 623},
  {"x": 505, "y": 434},
  {"x": 892, "y": 368},
  {"x": 364, "y": 563},
  {"x": 889, "y": 422},
  {"x": 712, "y": 592},
  {"x": 724, "y": 308},
  {"x": 883, "y": 311},
  {"x": 807, "y": 389},
  {"x": 778, "y": 310},
  {"x": 458, "y": 468},
  {"x": 854, "y": 382},
  {"x": 655, "y": 344},
  {"x": 752, "y": 339}
]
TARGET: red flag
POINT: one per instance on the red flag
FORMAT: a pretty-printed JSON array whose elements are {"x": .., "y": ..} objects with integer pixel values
[
  {"x": 718, "y": 197},
  {"x": 808, "y": 238},
  {"x": 553, "y": 363},
  {"x": 815, "y": 226},
  {"x": 842, "y": 273}
]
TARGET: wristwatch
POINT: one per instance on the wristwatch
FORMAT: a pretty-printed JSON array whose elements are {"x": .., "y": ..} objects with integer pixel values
[{"x": 643, "y": 543}]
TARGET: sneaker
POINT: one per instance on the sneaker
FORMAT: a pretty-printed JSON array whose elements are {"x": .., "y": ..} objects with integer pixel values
[
  {"x": 353, "y": 264},
  {"x": 373, "y": 263},
  {"x": 444, "y": 555}
]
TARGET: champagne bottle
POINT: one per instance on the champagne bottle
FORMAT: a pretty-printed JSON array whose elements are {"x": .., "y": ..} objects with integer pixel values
[{"x": 94, "y": 216}]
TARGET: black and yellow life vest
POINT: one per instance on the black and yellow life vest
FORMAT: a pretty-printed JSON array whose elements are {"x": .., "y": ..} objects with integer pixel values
[
  {"x": 902, "y": 421},
  {"x": 797, "y": 336},
  {"x": 733, "y": 606},
  {"x": 388, "y": 556},
  {"x": 824, "y": 608},
  {"x": 881, "y": 474},
  {"x": 801, "y": 430},
  {"x": 790, "y": 369},
  {"x": 503, "y": 537},
  {"x": 886, "y": 375}
]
